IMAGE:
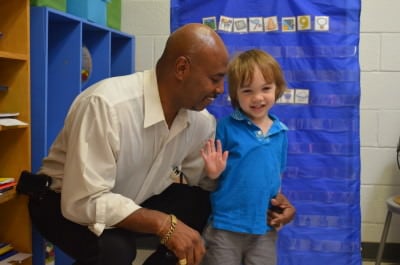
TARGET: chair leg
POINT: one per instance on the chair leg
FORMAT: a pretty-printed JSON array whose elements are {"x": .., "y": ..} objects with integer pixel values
[{"x": 383, "y": 238}]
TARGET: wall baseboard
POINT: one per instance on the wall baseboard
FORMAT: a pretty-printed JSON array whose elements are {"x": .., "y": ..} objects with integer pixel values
[{"x": 391, "y": 253}]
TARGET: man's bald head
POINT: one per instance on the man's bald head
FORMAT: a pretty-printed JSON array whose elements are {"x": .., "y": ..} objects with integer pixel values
[
  {"x": 192, "y": 40},
  {"x": 190, "y": 72}
]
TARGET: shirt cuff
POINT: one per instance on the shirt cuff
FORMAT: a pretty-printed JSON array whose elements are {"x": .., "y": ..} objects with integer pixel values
[{"x": 108, "y": 215}]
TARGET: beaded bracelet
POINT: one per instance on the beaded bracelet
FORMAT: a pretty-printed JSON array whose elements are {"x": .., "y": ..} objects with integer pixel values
[{"x": 171, "y": 230}]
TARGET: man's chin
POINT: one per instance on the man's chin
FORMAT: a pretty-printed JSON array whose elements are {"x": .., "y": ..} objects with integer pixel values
[
  {"x": 198, "y": 108},
  {"x": 203, "y": 104}
]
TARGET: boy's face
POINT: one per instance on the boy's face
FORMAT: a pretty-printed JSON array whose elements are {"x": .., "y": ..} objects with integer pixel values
[{"x": 257, "y": 98}]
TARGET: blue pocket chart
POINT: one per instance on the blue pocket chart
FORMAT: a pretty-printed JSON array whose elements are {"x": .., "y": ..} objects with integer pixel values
[{"x": 317, "y": 44}]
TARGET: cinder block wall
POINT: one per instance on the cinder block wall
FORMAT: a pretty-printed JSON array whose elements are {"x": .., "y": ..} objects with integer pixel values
[
  {"x": 380, "y": 115},
  {"x": 149, "y": 20}
]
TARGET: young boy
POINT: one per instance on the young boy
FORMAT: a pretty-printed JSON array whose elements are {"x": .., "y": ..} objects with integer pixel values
[{"x": 250, "y": 167}]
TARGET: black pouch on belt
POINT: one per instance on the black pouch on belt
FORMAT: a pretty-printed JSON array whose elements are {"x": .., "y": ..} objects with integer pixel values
[{"x": 33, "y": 185}]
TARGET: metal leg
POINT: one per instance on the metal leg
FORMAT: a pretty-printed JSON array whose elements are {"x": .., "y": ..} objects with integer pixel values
[{"x": 383, "y": 238}]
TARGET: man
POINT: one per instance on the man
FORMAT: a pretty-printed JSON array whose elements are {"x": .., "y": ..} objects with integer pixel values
[{"x": 123, "y": 139}]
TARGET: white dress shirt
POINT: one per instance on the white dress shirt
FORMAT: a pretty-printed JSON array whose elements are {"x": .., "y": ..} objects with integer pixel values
[{"x": 115, "y": 150}]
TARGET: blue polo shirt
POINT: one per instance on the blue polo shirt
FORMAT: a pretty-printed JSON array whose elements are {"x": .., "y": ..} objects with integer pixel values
[{"x": 252, "y": 176}]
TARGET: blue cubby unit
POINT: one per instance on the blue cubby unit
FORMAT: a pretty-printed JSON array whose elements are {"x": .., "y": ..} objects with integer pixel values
[{"x": 57, "y": 39}]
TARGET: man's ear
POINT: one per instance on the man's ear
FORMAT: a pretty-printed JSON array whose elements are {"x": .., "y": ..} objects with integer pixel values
[{"x": 182, "y": 66}]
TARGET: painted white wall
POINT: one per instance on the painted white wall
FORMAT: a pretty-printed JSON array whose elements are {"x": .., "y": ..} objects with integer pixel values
[{"x": 149, "y": 20}]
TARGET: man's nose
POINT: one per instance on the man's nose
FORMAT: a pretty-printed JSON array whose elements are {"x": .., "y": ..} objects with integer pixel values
[{"x": 220, "y": 87}]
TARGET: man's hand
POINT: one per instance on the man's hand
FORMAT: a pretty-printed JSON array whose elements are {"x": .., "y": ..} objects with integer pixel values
[
  {"x": 285, "y": 214},
  {"x": 182, "y": 240},
  {"x": 186, "y": 243}
]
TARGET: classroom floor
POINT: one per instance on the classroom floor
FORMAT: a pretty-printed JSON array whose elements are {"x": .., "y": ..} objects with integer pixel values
[
  {"x": 143, "y": 254},
  {"x": 373, "y": 263}
]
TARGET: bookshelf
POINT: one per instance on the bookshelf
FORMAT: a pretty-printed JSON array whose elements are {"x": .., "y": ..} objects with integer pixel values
[
  {"x": 15, "y": 144},
  {"x": 60, "y": 44}
]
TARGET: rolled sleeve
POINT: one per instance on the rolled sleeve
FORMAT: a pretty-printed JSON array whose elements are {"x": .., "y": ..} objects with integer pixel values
[
  {"x": 90, "y": 168},
  {"x": 121, "y": 208}
]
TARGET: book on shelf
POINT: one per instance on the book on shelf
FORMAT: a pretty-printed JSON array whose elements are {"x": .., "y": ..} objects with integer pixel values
[
  {"x": 8, "y": 114},
  {"x": 7, "y": 185},
  {"x": 16, "y": 258},
  {"x": 6, "y": 180},
  {"x": 11, "y": 122},
  {"x": 6, "y": 190},
  {"x": 5, "y": 247},
  {"x": 8, "y": 254}
]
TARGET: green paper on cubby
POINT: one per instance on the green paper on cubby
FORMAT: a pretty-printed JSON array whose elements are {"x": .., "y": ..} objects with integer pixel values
[
  {"x": 114, "y": 14},
  {"x": 57, "y": 4}
]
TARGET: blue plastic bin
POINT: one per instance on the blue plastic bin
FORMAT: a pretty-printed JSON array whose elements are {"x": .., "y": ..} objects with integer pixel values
[{"x": 92, "y": 10}]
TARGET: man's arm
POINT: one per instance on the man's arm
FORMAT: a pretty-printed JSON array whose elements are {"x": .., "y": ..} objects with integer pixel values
[{"x": 183, "y": 241}]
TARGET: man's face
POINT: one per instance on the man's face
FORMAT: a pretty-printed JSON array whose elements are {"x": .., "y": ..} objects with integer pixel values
[{"x": 205, "y": 81}]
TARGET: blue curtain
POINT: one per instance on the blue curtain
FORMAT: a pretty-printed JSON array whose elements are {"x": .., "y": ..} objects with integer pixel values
[{"x": 316, "y": 42}]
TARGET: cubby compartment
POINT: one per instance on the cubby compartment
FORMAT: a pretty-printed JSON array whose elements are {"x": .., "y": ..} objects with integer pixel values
[
  {"x": 13, "y": 77},
  {"x": 57, "y": 69},
  {"x": 13, "y": 16}
]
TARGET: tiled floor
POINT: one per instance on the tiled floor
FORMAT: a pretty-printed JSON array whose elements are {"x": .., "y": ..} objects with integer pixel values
[{"x": 142, "y": 255}]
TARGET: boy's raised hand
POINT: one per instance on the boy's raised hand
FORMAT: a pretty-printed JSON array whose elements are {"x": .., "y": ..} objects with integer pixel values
[{"x": 214, "y": 158}]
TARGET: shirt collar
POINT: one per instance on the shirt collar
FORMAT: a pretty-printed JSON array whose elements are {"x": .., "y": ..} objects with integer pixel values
[
  {"x": 237, "y": 114},
  {"x": 153, "y": 111}
]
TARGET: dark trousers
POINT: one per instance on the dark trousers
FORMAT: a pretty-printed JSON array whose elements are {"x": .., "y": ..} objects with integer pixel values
[{"x": 117, "y": 246}]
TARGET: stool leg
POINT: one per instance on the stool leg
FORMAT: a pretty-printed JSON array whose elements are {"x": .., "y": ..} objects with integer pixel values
[{"x": 383, "y": 238}]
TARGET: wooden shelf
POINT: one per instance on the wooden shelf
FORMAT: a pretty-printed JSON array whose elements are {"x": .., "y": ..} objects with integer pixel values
[
  {"x": 15, "y": 141},
  {"x": 15, "y": 127},
  {"x": 13, "y": 56},
  {"x": 8, "y": 195}
]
